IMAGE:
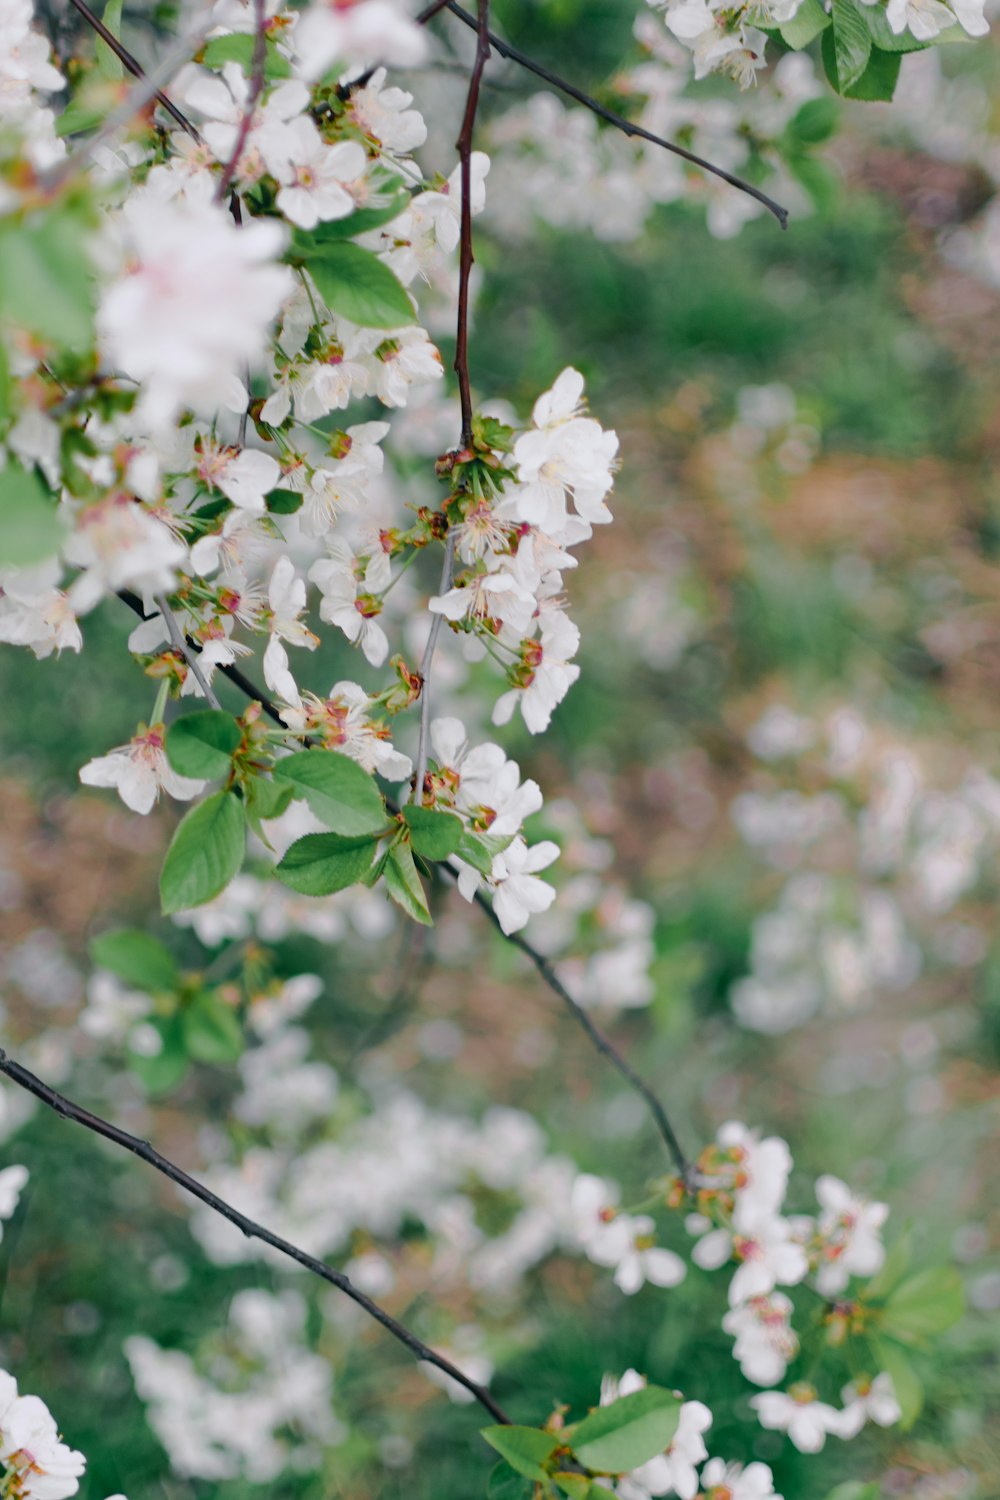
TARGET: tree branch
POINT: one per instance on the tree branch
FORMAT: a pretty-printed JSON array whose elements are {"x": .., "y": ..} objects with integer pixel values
[
  {"x": 190, "y": 656},
  {"x": 514, "y": 54},
  {"x": 607, "y": 1049},
  {"x": 65, "y": 1107},
  {"x": 256, "y": 88},
  {"x": 132, "y": 65}
]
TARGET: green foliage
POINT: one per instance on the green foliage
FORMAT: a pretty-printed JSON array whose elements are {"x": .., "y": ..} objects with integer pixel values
[
  {"x": 526, "y": 1449},
  {"x": 850, "y": 45},
  {"x": 433, "y": 834},
  {"x": 205, "y": 853},
  {"x": 626, "y": 1433},
  {"x": 355, "y": 284},
  {"x": 404, "y": 884},
  {"x": 926, "y": 1304},
  {"x": 109, "y": 65},
  {"x": 202, "y": 744},
  {"x": 808, "y": 22},
  {"x": 30, "y": 524},
  {"x": 46, "y": 286},
  {"x": 390, "y": 188},
  {"x": 342, "y": 795},
  {"x": 211, "y": 1030},
  {"x": 137, "y": 958},
  {"x": 239, "y": 48},
  {"x": 321, "y": 863},
  {"x": 906, "y": 1382}
]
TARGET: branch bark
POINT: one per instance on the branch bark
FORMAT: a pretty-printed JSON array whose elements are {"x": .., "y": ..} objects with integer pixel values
[{"x": 68, "y": 1110}]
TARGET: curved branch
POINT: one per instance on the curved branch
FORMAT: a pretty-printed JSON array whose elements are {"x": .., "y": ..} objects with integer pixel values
[
  {"x": 65, "y": 1107},
  {"x": 514, "y": 54}
]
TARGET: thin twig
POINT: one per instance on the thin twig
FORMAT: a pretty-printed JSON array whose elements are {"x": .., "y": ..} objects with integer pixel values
[
  {"x": 514, "y": 54},
  {"x": 254, "y": 91},
  {"x": 466, "y": 259},
  {"x": 180, "y": 641},
  {"x": 254, "y": 1231},
  {"x": 132, "y": 65},
  {"x": 547, "y": 971},
  {"x": 426, "y": 664},
  {"x": 145, "y": 90}
]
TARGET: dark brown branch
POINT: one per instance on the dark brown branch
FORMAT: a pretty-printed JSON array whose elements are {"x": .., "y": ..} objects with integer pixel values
[
  {"x": 545, "y": 968},
  {"x": 147, "y": 1153},
  {"x": 607, "y": 1049},
  {"x": 514, "y": 54},
  {"x": 465, "y": 255},
  {"x": 255, "y": 89},
  {"x": 135, "y": 68}
]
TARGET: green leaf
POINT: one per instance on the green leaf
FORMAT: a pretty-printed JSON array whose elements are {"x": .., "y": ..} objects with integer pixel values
[
  {"x": 925, "y": 1304},
  {"x": 405, "y": 886},
  {"x": 239, "y": 48},
  {"x": 212, "y": 1031},
  {"x": 847, "y": 46},
  {"x": 79, "y": 116},
  {"x": 31, "y": 526},
  {"x": 815, "y": 122},
  {"x": 342, "y": 795},
  {"x": 856, "y": 1489},
  {"x": 109, "y": 66},
  {"x": 137, "y": 958},
  {"x": 817, "y": 179},
  {"x": 526, "y": 1449},
  {"x": 629, "y": 1432},
  {"x": 883, "y": 35},
  {"x": 205, "y": 853},
  {"x": 165, "y": 1069},
  {"x": 202, "y": 744},
  {"x": 360, "y": 222},
  {"x": 321, "y": 863},
  {"x": 45, "y": 282},
  {"x": 877, "y": 83},
  {"x": 479, "y": 849},
  {"x": 433, "y": 834},
  {"x": 356, "y": 285},
  {"x": 266, "y": 799},
  {"x": 579, "y": 1487},
  {"x": 504, "y": 1484},
  {"x": 906, "y": 1382},
  {"x": 284, "y": 502},
  {"x": 806, "y": 24},
  {"x": 894, "y": 1268}
]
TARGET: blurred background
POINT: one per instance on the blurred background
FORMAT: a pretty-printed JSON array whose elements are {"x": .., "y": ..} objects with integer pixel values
[{"x": 775, "y": 787}]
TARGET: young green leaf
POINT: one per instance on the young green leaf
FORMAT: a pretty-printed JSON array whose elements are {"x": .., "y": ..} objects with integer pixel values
[
  {"x": 504, "y": 1484},
  {"x": 360, "y": 222},
  {"x": 266, "y": 799},
  {"x": 894, "y": 1268},
  {"x": 526, "y": 1449},
  {"x": 433, "y": 834},
  {"x": 340, "y": 793},
  {"x": 108, "y": 63},
  {"x": 355, "y": 284},
  {"x": 814, "y": 122},
  {"x": 851, "y": 44},
  {"x": 212, "y": 1031},
  {"x": 479, "y": 849},
  {"x": 878, "y": 82},
  {"x": 925, "y": 1304},
  {"x": 627, "y": 1433},
  {"x": 238, "y": 47},
  {"x": 46, "y": 285},
  {"x": 205, "y": 853},
  {"x": 321, "y": 863},
  {"x": 30, "y": 521},
  {"x": 161, "y": 1071},
  {"x": 405, "y": 886},
  {"x": 202, "y": 744},
  {"x": 883, "y": 35},
  {"x": 806, "y": 24},
  {"x": 284, "y": 502},
  {"x": 579, "y": 1487},
  {"x": 139, "y": 959},
  {"x": 905, "y": 1380}
]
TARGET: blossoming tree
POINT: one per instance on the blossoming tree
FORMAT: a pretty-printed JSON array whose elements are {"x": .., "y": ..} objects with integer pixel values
[{"x": 204, "y": 260}]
